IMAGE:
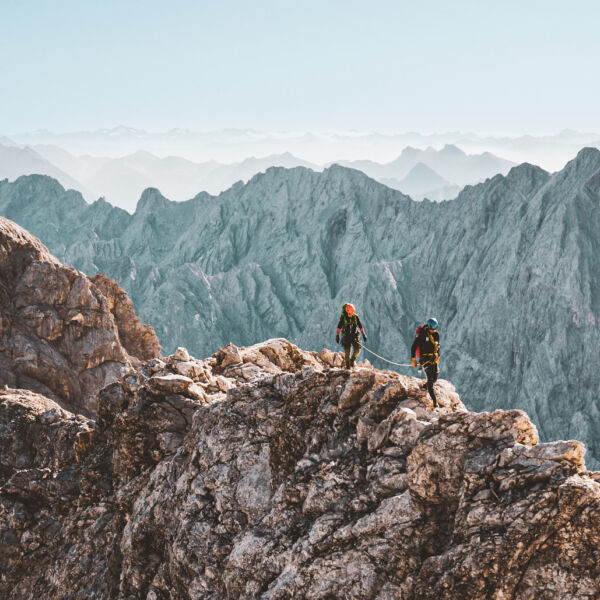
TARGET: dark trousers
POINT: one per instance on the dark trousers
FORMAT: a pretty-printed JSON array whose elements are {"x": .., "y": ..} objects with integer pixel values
[
  {"x": 432, "y": 372},
  {"x": 355, "y": 346}
]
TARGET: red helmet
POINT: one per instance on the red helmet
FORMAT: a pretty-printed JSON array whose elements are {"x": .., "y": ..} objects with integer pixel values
[{"x": 349, "y": 309}]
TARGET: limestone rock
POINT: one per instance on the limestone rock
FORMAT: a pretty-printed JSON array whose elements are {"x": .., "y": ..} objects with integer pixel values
[
  {"x": 36, "y": 433},
  {"x": 181, "y": 354},
  {"x": 274, "y": 488},
  {"x": 196, "y": 392},
  {"x": 59, "y": 333},
  {"x": 170, "y": 384},
  {"x": 190, "y": 368},
  {"x": 228, "y": 355},
  {"x": 156, "y": 365},
  {"x": 138, "y": 339}
]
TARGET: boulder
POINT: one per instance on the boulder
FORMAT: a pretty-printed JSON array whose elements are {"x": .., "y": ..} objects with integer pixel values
[
  {"x": 170, "y": 384},
  {"x": 180, "y": 354},
  {"x": 190, "y": 368}
]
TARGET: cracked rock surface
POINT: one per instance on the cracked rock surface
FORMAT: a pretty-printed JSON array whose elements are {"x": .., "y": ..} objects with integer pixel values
[
  {"x": 269, "y": 472},
  {"x": 62, "y": 334}
]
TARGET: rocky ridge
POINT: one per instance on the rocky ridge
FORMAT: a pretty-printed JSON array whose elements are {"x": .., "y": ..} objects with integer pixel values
[
  {"x": 509, "y": 268},
  {"x": 62, "y": 334},
  {"x": 269, "y": 472}
]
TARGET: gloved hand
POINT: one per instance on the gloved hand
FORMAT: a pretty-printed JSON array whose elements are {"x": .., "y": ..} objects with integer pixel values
[
  {"x": 337, "y": 338},
  {"x": 364, "y": 336},
  {"x": 413, "y": 362}
]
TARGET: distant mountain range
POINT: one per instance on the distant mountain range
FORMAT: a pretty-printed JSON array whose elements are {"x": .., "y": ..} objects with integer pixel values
[
  {"x": 509, "y": 267},
  {"x": 433, "y": 174},
  {"x": 16, "y": 161},
  {"x": 233, "y": 145},
  {"x": 122, "y": 180},
  {"x": 423, "y": 182},
  {"x": 451, "y": 164}
]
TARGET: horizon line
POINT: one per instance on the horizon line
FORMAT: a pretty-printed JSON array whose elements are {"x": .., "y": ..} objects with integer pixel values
[{"x": 349, "y": 131}]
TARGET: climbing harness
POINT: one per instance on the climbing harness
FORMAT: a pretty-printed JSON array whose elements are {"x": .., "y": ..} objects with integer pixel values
[
  {"x": 435, "y": 355},
  {"x": 350, "y": 326}
]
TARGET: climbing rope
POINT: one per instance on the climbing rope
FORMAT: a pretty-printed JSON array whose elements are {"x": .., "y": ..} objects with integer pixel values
[{"x": 385, "y": 359}]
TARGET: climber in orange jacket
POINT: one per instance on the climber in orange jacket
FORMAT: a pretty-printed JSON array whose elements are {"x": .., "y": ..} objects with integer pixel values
[{"x": 350, "y": 326}]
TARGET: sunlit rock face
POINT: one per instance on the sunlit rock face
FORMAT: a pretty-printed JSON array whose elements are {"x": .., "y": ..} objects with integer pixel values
[
  {"x": 509, "y": 268},
  {"x": 269, "y": 472},
  {"x": 59, "y": 333}
]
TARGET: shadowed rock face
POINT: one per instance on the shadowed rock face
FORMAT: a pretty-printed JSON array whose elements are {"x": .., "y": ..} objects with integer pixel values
[
  {"x": 59, "y": 334},
  {"x": 267, "y": 472},
  {"x": 139, "y": 340}
]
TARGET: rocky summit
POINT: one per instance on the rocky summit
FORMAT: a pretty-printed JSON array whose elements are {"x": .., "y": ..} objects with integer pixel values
[{"x": 270, "y": 472}]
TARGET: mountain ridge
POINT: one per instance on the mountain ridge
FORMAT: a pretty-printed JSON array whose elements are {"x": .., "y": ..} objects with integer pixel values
[
  {"x": 125, "y": 177},
  {"x": 509, "y": 260},
  {"x": 268, "y": 472}
]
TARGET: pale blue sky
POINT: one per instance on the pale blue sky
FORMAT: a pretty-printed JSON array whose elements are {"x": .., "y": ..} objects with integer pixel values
[{"x": 502, "y": 67}]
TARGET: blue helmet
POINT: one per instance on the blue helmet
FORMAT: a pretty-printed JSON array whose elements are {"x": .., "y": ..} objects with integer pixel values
[{"x": 432, "y": 323}]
